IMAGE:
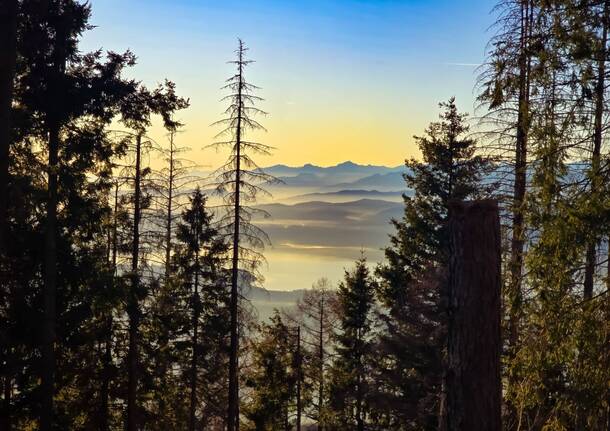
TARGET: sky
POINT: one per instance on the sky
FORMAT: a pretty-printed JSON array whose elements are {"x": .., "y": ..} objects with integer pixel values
[{"x": 342, "y": 80}]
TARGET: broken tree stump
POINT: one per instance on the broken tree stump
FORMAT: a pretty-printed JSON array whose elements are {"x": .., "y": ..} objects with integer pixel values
[{"x": 474, "y": 387}]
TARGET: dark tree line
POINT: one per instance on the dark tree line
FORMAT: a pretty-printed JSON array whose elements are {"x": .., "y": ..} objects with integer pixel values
[{"x": 114, "y": 286}]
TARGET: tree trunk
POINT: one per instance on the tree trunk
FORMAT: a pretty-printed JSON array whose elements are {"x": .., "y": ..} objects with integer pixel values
[
  {"x": 474, "y": 387},
  {"x": 104, "y": 413},
  {"x": 164, "y": 335},
  {"x": 600, "y": 88},
  {"x": 50, "y": 286},
  {"x": 133, "y": 307},
  {"x": 298, "y": 378},
  {"x": 321, "y": 353},
  {"x": 520, "y": 180},
  {"x": 359, "y": 419},
  {"x": 195, "y": 341},
  {"x": 233, "y": 408},
  {"x": 359, "y": 391},
  {"x": 607, "y": 312},
  {"x": 8, "y": 54},
  {"x": 5, "y": 422},
  {"x": 168, "y": 219},
  {"x": 50, "y": 241}
]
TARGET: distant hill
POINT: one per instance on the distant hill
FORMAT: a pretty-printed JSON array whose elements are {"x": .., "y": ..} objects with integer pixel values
[
  {"x": 340, "y": 212},
  {"x": 346, "y": 196},
  {"x": 266, "y": 301}
]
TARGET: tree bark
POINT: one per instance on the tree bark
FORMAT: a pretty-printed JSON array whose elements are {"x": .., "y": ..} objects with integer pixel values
[
  {"x": 133, "y": 307},
  {"x": 474, "y": 387}
]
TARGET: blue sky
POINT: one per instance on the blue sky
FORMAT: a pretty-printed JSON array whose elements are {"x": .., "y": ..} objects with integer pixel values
[{"x": 342, "y": 79}]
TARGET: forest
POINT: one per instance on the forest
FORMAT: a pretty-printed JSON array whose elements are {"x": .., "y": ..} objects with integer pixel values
[{"x": 124, "y": 271}]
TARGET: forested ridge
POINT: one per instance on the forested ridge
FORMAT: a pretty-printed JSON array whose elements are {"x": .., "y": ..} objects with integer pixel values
[{"x": 124, "y": 272}]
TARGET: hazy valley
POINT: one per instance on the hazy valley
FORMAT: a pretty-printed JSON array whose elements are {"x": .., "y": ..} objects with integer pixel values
[{"x": 323, "y": 218}]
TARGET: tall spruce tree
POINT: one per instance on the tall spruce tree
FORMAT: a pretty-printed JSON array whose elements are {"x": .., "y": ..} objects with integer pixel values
[
  {"x": 350, "y": 372},
  {"x": 200, "y": 261},
  {"x": 506, "y": 93},
  {"x": 272, "y": 377},
  {"x": 8, "y": 57},
  {"x": 66, "y": 100}
]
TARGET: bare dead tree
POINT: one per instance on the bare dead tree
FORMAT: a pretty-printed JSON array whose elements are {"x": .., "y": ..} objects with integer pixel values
[
  {"x": 240, "y": 180},
  {"x": 315, "y": 314},
  {"x": 137, "y": 112},
  {"x": 172, "y": 183}
]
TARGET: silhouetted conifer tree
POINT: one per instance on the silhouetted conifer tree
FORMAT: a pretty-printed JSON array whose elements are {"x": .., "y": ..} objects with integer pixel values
[
  {"x": 239, "y": 180},
  {"x": 351, "y": 369}
]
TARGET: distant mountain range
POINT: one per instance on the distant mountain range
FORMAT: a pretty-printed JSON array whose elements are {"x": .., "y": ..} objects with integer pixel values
[
  {"x": 347, "y": 175},
  {"x": 340, "y": 169}
]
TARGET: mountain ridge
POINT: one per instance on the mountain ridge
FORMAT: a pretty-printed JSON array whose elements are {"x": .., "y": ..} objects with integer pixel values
[{"x": 345, "y": 164}]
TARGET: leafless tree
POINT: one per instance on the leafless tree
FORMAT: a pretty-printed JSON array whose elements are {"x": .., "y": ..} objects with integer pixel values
[{"x": 240, "y": 180}]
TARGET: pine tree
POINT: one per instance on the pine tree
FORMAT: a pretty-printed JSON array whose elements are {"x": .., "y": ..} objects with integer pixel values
[
  {"x": 200, "y": 260},
  {"x": 8, "y": 55},
  {"x": 66, "y": 100},
  {"x": 168, "y": 196},
  {"x": 554, "y": 339},
  {"x": 272, "y": 377},
  {"x": 349, "y": 386}
]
